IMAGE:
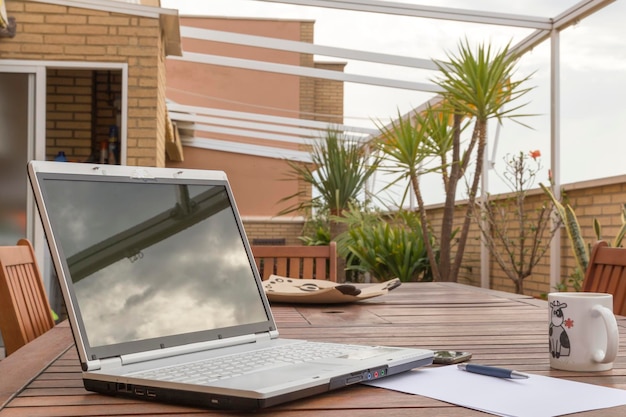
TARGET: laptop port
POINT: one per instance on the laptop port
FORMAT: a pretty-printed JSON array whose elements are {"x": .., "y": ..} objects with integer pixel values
[
  {"x": 150, "y": 393},
  {"x": 139, "y": 391},
  {"x": 121, "y": 387}
]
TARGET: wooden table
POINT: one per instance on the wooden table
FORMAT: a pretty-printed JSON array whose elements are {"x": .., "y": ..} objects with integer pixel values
[{"x": 43, "y": 378}]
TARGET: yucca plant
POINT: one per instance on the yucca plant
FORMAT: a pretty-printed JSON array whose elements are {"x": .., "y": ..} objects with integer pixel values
[
  {"x": 477, "y": 86},
  {"x": 340, "y": 171}
]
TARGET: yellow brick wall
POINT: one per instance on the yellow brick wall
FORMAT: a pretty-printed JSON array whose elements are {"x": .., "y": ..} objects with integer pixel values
[
  {"x": 307, "y": 84},
  {"x": 69, "y": 113},
  {"x": 61, "y": 33},
  {"x": 162, "y": 117},
  {"x": 470, "y": 269},
  {"x": 274, "y": 229},
  {"x": 470, "y": 273},
  {"x": 601, "y": 199},
  {"x": 329, "y": 95},
  {"x": 80, "y": 109}
]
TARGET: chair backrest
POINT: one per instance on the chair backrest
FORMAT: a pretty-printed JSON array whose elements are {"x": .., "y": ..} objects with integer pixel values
[
  {"x": 24, "y": 308},
  {"x": 607, "y": 273},
  {"x": 319, "y": 262}
]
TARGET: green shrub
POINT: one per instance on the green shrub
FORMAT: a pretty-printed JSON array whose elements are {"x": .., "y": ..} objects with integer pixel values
[{"x": 389, "y": 248}]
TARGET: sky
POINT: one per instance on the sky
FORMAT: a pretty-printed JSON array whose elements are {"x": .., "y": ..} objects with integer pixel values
[{"x": 592, "y": 74}]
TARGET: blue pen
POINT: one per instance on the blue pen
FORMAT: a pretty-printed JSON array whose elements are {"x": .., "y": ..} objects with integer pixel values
[{"x": 492, "y": 371}]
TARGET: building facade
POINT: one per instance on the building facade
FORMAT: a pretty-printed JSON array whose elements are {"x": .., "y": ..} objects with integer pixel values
[{"x": 257, "y": 176}]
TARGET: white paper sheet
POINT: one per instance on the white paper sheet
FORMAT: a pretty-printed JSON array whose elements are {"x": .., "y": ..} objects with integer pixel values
[{"x": 537, "y": 396}]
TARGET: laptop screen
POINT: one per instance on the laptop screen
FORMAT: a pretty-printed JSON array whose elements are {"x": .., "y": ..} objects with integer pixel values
[{"x": 151, "y": 259}]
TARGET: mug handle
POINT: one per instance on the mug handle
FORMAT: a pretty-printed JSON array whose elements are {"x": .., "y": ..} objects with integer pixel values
[{"x": 612, "y": 342}]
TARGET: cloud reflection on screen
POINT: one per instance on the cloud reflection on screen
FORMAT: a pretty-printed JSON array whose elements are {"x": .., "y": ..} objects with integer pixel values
[{"x": 198, "y": 278}]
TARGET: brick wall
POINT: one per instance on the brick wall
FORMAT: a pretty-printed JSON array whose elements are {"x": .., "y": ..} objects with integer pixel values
[
  {"x": 470, "y": 268},
  {"x": 69, "y": 102},
  {"x": 538, "y": 282},
  {"x": 289, "y": 230},
  {"x": 329, "y": 95},
  {"x": 81, "y": 106},
  {"x": 307, "y": 84},
  {"x": 601, "y": 199},
  {"x": 162, "y": 116},
  {"x": 61, "y": 33}
]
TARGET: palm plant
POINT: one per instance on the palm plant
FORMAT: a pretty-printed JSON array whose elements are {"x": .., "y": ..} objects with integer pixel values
[
  {"x": 412, "y": 144},
  {"x": 339, "y": 174},
  {"x": 477, "y": 87}
]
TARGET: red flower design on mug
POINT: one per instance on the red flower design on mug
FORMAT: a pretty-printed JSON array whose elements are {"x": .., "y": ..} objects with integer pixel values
[
  {"x": 569, "y": 323},
  {"x": 535, "y": 154}
]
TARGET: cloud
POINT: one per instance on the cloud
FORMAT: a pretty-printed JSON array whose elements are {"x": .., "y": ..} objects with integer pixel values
[{"x": 197, "y": 279}]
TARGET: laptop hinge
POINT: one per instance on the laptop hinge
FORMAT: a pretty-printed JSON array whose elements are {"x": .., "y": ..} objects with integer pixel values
[
  {"x": 99, "y": 364},
  {"x": 272, "y": 334},
  {"x": 182, "y": 350}
]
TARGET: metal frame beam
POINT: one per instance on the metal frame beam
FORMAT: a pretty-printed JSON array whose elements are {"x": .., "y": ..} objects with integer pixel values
[
  {"x": 175, "y": 108},
  {"x": 248, "y": 149},
  {"x": 304, "y": 71},
  {"x": 305, "y": 48},
  {"x": 429, "y": 12}
]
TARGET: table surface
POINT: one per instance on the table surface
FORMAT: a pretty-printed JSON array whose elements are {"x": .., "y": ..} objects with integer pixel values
[{"x": 502, "y": 329}]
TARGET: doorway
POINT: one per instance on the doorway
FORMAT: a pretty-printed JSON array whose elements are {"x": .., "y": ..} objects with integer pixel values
[
  {"x": 46, "y": 109},
  {"x": 14, "y": 146}
]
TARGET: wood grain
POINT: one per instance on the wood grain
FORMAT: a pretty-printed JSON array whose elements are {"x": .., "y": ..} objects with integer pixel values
[{"x": 498, "y": 328}]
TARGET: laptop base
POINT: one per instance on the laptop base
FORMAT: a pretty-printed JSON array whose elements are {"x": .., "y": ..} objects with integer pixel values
[
  {"x": 225, "y": 402},
  {"x": 194, "y": 399}
]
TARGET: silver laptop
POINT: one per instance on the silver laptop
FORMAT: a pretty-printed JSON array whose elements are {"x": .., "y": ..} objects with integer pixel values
[{"x": 163, "y": 295}]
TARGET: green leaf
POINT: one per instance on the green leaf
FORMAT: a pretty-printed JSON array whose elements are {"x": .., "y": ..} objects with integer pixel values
[{"x": 340, "y": 170}]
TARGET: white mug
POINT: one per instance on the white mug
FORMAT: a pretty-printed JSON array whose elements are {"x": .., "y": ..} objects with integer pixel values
[{"x": 583, "y": 331}]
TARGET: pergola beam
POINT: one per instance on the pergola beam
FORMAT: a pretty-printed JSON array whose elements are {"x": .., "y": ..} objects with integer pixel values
[
  {"x": 578, "y": 12},
  {"x": 305, "y": 48},
  {"x": 175, "y": 108},
  {"x": 255, "y": 131},
  {"x": 564, "y": 20},
  {"x": 248, "y": 149},
  {"x": 305, "y": 72},
  {"x": 429, "y": 12}
]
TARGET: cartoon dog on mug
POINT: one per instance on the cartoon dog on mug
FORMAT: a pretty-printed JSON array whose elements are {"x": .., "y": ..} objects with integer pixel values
[{"x": 559, "y": 340}]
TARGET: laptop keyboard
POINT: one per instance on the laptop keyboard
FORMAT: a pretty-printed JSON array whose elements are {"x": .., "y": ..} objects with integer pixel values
[{"x": 245, "y": 363}]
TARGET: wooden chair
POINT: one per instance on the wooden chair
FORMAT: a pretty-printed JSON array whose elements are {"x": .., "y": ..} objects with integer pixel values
[
  {"x": 24, "y": 308},
  {"x": 607, "y": 273},
  {"x": 318, "y": 262}
]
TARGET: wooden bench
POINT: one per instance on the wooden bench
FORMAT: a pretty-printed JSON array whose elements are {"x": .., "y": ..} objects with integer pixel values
[{"x": 315, "y": 262}]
